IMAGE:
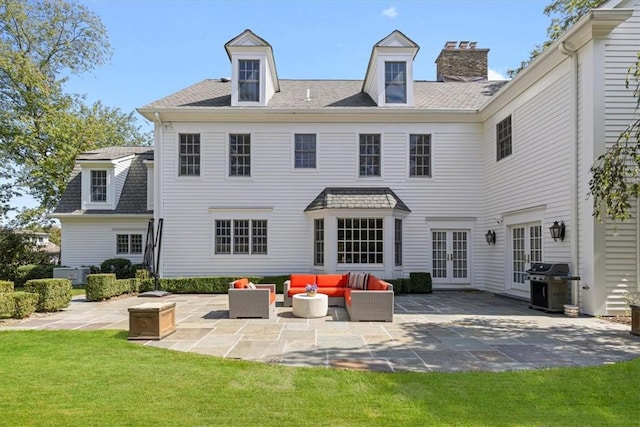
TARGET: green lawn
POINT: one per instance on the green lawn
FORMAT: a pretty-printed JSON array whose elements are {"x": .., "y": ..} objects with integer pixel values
[{"x": 99, "y": 378}]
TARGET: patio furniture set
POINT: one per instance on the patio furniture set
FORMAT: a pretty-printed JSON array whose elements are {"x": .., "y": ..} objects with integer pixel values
[{"x": 365, "y": 297}]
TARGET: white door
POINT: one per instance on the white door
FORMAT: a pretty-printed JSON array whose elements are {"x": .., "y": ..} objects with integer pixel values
[
  {"x": 526, "y": 248},
  {"x": 450, "y": 256}
]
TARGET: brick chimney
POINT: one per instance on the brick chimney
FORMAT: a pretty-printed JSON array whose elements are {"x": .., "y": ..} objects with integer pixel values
[{"x": 462, "y": 62}]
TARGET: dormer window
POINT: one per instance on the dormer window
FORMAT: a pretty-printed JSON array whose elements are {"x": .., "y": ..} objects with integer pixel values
[
  {"x": 395, "y": 82},
  {"x": 248, "y": 80},
  {"x": 98, "y": 186}
]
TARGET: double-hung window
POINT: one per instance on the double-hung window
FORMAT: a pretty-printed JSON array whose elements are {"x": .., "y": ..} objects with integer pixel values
[
  {"x": 318, "y": 241},
  {"x": 249, "y": 80},
  {"x": 305, "y": 151},
  {"x": 128, "y": 244},
  {"x": 189, "y": 154},
  {"x": 398, "y": 242},
  {"x": 240, "y": 155},
  {"x": 395, "y": 82},
  {"x": 98, "y": 185},
  {"x": 420, "y": 155},
  {"x": 370, "y": 155},
  {"x": 503, "y": 138},
  {"x": 241, "y": 236}
]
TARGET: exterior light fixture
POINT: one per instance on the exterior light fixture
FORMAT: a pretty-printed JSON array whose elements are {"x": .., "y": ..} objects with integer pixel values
[
  {"x": 491, "y": 237},
  {"x": 557, "y": 231}
]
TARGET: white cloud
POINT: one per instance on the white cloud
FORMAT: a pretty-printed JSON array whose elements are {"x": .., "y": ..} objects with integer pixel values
[
  {"x": 496, "y": 75},
  {"x": 390, "y": 12}
]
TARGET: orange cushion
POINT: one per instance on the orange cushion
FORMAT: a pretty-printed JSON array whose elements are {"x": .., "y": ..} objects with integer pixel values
[
  {"x": 347, "y": 296},
  {"x": 241, "y": 283},
  {"x": 331, "y": 280},
  {"x": 294, "y": 291},
  {"x": 376, "y": 284},
  {"x": 272, "y": 297},
  {"x": 332, "y": 292},
  {"x": 302, "y": 280}
]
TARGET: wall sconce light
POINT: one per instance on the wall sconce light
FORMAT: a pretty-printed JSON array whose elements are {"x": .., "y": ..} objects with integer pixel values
[
  {"x": 557, "y": 231},
  {"x": 491, "y": 237}
]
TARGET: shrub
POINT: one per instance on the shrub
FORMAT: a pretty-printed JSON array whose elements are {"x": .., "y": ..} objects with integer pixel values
[
  {"x": 53, "y": 294},
  {"x": 24, "y": 304},
  {"x": 33, "y": 271},
  {"x": 6, "y": 304},
  {"x": 6, "y": 286},
  {"x": 100, "y": 286},
  {"x": 121, "y": 267},
  {"x": 420, "y": 283},
  {"x": 400, "y": 286}
]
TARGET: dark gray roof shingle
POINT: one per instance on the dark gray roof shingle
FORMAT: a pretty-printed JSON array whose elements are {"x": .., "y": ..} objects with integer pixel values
[
  {"x": 357, "y": 198},
  {"x": 335, "y": 94},
  {"x": 133, "y": 199}
]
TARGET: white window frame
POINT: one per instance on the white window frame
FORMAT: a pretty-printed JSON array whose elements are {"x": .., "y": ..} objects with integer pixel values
[
  {"x": 390, "y": 83},
  {"x": 410, "y": 169},
  {"x": 129, "y": 236},
  {"x": 228, "y": 150},
  {"x": 359, "y": 175},
  {"x": 295, "y": 151},
  {"x": 236, "y": 214},
  {"x": 368, "y": 241},
  {"x": 87, "y": 168},
  {"x": 499, "y": 140},
  {"x": 179, "y": 155},
  {"x": 235, "y": 92}
]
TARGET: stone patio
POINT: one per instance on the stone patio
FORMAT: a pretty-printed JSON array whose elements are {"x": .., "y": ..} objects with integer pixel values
[{"x": 443, "y": 331}]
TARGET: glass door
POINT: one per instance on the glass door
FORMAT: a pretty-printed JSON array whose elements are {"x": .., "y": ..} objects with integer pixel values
[
  {"x": 450, "y": 256},
  {"x": 526, "y": 248}
]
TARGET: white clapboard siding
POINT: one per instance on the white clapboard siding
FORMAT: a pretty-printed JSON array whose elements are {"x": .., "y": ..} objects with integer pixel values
[
  {"x": 622, "y": 257},
  {"x": 89, "y": 241},
  {"x": 121, "y": 171}
]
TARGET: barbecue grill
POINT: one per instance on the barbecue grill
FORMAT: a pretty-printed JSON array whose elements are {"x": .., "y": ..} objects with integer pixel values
[{"x": 550, "y": 286}]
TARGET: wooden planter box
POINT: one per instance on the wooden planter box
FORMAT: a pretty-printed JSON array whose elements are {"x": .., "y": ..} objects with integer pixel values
[
  {"x": 635, "y": 319},
  {"x": 152, "y": 321}
]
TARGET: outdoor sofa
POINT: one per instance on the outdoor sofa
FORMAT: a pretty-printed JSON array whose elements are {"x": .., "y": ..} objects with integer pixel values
[
  {"x": 365, "y": 297},
  {"x": 249, "y": 300}
]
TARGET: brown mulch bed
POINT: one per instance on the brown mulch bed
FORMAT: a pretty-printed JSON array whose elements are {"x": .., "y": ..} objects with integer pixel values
[{"x": 625, "y": 320}]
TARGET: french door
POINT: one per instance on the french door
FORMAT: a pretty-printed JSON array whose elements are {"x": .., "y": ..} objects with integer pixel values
[
  {"x": 450, "y": 256},
  {"x": 526, "y": 248}
]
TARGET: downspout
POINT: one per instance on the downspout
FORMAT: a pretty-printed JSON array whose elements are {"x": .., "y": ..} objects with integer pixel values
[
  {"x": 157, "y": 188},
  {"x": 575, "y": 259}
]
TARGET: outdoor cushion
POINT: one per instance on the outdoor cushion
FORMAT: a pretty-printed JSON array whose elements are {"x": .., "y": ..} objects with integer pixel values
[
  {"x": 347, "y": 296},
  {"x": 241, "y": 283},
  {"x": 375, "y": 284},
  {"x": 302, "y": 280},
  {"x": 331, "y": 280},
  {"x": 330, "y": 292},
  {"x": 358, "y": 280}
]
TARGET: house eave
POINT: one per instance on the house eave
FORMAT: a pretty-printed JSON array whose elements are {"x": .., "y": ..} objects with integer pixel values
[
  {"x": 325, "y": 115},
  {"x": 597, "y": 23},
  {"x": 85, "y": 214}
]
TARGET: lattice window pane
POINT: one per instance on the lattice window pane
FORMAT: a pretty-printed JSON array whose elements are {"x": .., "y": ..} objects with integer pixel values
[
  {"x": 99, "y": 186},
  {"x": 259, "y": 236},
  {"x": 370, "y": 155},
  {"x": 223, "y": 237}
]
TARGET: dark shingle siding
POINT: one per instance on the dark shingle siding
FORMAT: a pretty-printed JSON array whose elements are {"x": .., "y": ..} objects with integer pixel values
[{"x": 133, "y": 198}]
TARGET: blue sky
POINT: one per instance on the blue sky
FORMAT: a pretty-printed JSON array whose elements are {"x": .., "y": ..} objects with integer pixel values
[{"x": 160, "y": 47}]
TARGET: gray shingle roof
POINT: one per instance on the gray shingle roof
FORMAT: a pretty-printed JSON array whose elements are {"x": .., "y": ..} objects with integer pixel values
[
  {"x": 133, "y": 199},
  {"x": 357, "y": 198},
  {"x": 335, "y": 94}
]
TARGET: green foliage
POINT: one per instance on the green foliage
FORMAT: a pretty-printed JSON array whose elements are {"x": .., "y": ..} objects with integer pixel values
[
  {"x": 33, "y": 271},
  {"x": 6, "y": 304},
  {"x": 104, "y": 286},
  {"x": 564, "y": 14},
  {"x": 42, "y": 128},
  {"x": 24, "y": 304},
  {"x": 420, "y": 282},
  {"x": 121, "y": 267},
  {"x": 6, "y": 286},
  {"x": 401, "y": 285},
  {"x": 53, "y": 294},
  {"x": 615, "y": 180},
  {"x": 16, "y": 250}
]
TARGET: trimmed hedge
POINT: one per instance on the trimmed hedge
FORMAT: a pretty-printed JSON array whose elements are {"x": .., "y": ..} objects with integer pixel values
[
  {"x": 24, "y": 304},
  {"x": 53, "y": 294},
  {"x": 6, "y": 304},
  {"x": 211, "y": 285},
  {"x": 6, "y": 286},
  {"x": 121, "y": 267},
  {"x": 420, "y": 283},
  {"x": 400, "y": 286},
  {"x": 33, "y": 271},
  {"x": 104, "y": 286}
]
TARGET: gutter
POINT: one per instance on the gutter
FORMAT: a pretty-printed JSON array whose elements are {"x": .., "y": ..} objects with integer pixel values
[{"x": 575, "y": 259}]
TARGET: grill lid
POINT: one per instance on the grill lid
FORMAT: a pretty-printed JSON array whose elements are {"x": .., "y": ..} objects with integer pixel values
[{"x": 549, "y": 269}]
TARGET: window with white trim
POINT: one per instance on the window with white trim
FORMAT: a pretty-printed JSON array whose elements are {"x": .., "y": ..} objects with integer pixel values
[
  {"x": 241, "y": 237},
  {"x": 360, "y": 241},
  {"x": 305, "y": 151},
  {"x": 503, "y": 138},
  {"x": 189, "y": 154},
  {"x": 395, "y": 82},
  {"x": 98, "y": 186},
  {"x": 369, "y": 155},
  {"x": 249, "y": 80},
  {"x": 420, "y": 155},
  {"x": 398, "y": 241},
  {"x": 240, "y": 155},
  {"x": 128, "y": 244},
  {"x": 318, "y": 241}
]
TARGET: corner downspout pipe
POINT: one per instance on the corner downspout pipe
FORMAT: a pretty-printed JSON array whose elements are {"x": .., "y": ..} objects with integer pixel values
[
  {"x": 575, "y": 259},
  {"x": 157, "y": 188}
]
